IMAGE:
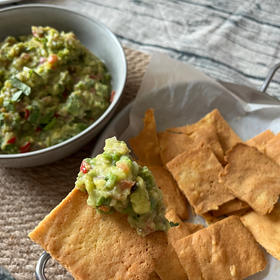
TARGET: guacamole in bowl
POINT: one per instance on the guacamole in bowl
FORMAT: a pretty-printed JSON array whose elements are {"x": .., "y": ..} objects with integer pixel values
[{"x": 51, "y": 88}]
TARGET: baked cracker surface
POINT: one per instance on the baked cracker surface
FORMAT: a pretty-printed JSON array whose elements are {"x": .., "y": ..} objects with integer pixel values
[
  {"x": 252, "y": 177},
  {"x": 97, "y": 246},
  {"x": 265, "y": 229},
  {"x": 196, "y": 173},
  {"x": 225, "y": 250},
  {"x": 172, "y": 196}
]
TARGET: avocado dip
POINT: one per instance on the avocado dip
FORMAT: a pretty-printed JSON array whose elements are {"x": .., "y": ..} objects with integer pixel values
[
  {"x": 51, "y": 88},
  {"x": 114, "y": 181}
]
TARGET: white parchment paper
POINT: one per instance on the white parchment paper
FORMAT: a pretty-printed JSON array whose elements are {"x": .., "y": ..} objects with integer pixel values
[{"x": 182, "y": 95}]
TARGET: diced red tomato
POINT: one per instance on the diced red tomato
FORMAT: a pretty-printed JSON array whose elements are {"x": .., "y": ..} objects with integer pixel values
[
  {"x": 56, "y": 115},
  {"x": 112, "y": 96},
  {"x": 25, "y": 148},
  {"x": 38, "y": 129},
  {"x": 84, "y": 167},
  {"x": 26, "y": 114},
  {"x": 52, "y": 59},
  {"x": 11, "y": 140}
]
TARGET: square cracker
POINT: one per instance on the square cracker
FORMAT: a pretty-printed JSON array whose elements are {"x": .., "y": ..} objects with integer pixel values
[
  {"x": 172, "y": 196},
  {"x": 227, "y": 137},
  {"x": 202, "y": 134},
  {"x": 261, "y": 140},
  {"x": 265, "y": 229},
  {"x": 272, "y": 148},
  {"x": 252, "y": 177},
  {"x": 212, "y": 253},
  {"x": 96, "y": 246},
  {"x": 145, "y": 145},
  {"x": 174, "y": 234},
  {"x": 196, "y": 172}
]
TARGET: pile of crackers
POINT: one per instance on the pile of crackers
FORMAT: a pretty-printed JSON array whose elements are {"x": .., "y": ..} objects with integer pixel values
[{"x": 233, "y": 185}]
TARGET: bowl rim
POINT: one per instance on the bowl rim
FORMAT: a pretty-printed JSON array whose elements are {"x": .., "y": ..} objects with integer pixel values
[{"x": 110, "y": 108}]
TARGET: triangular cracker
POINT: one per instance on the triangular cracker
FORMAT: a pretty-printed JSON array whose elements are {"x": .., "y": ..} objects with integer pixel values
[
  {"x": 97, "y": 246},
  {"x": 172, "y": 196},
  {"x": 225, "y": 250},
  {"x": 252, "y": 177},
  {"x": 226, "y": 136},
  {"x": 196, "y": 173},
  {"x": 265, "y": 229},
  {"x": 145, "y": 145}
]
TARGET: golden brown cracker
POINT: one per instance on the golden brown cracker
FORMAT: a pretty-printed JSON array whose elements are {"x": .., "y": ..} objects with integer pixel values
[
  {"x": 172, "y": 196},
  {"x": 202, "y": 133},
  {"x": 173, "y": 144},
  {"x": 196, "y": 173},
  {"x": 183, "y": 229},
  {"x": 230, "y": 207},
  {"x": 225, "y": 250},
  {"x": 154, "y": 276},
  {"x": 261, "y": 140},
  {"x": 272, "y": 148},
  {"x": 265, "y": 229},
  {"x": 145, "y": 145},
  {"x": 226, "y": 136},
  {"x": 168, "y": 266},
  {"x": 252, "y": 177},
  {"x": 96, "y": 246}
]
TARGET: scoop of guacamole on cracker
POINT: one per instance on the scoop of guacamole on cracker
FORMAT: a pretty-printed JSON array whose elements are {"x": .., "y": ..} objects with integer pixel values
[{"x": 115, "y": 182}]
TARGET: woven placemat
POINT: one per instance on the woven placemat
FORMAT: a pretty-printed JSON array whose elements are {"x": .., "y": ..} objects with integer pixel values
[{"x": 28, "y": 194}]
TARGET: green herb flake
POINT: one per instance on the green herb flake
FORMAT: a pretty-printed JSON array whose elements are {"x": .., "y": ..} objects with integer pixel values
[
  {"x": 173, "y": 224},
  {"x": 21, "y": 86}
]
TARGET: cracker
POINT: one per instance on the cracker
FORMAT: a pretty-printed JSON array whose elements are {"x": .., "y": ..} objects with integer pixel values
[
  {"x": 265, "y": 229},
  {"x": 182, "y": 230},
  {"x": 261, "y": 140},
  {"x": 225, "y": 250},
  {"x": 252, "y": 177},
  {"x": 154, "y": 276},
  {"x": 230, "y": 207},
  {"x": 172, "y": 196},
  {"x": 272, "y": 148},
  {"x": 174, "y": 234},
  {"x": 203, "y": 134},
  {"x": 96, "y": 246},
  {"x": 227, "y": 137},
  {"x": 170, "y": 259},
  {"x": 173, "y": 144},
  {"x": 146, "y": 146},
  {"x": 196, "y": 172}
]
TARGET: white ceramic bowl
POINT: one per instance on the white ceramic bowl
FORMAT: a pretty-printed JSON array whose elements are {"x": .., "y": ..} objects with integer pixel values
[{"x": 97, "y": 38}]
